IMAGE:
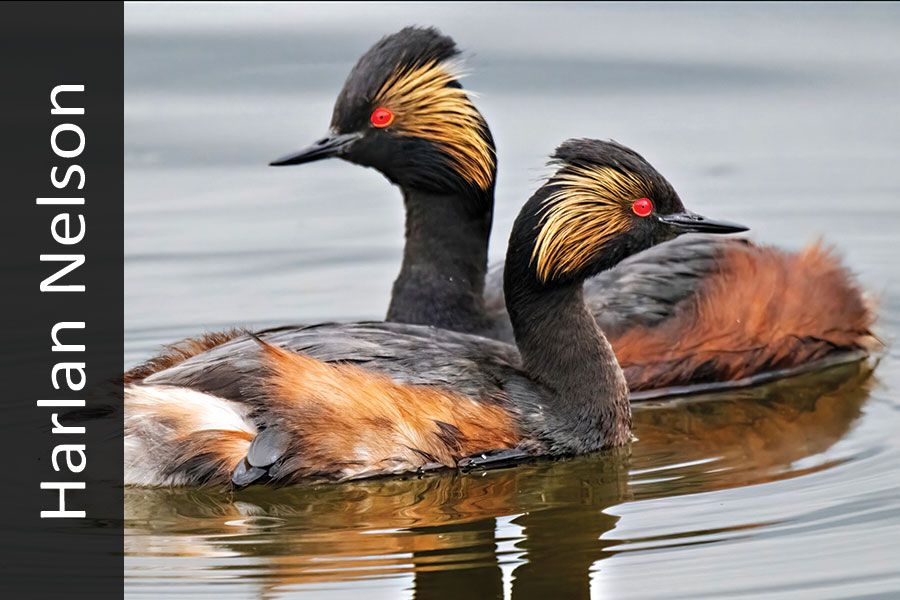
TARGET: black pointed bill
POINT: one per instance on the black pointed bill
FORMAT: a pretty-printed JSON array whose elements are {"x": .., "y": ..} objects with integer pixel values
[
  {"x": 327, "y": 147},
  {"x": 689, "y": 222}
]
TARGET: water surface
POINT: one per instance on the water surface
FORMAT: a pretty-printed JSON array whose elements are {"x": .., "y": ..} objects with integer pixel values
[{"x": 781, "y": 117}]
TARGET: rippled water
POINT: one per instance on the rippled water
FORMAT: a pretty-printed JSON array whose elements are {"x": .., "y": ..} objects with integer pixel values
[{"x": 782, "y": 117}]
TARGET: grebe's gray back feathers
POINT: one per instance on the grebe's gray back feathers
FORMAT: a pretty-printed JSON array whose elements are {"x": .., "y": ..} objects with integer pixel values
[{"x": 413, "y": 354}]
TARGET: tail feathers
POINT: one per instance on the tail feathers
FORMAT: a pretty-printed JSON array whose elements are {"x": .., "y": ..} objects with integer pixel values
[
  {"x": 763, "y": 310},
  {"x": 178, "y": 436}
]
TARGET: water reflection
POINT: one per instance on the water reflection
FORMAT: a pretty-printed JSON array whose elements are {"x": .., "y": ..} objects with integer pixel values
[
  {"x": 746, "y": 437},
  {"x": 442, "y": 530}
]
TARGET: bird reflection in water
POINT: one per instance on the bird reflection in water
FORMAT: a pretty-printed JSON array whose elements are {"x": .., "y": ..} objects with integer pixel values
[{"x": 443, "y": 529}]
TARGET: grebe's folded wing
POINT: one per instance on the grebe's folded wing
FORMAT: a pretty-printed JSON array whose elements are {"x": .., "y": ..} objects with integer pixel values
[
  {"x": 644, "y": 289},
  {"x": 413, "y": 354}
]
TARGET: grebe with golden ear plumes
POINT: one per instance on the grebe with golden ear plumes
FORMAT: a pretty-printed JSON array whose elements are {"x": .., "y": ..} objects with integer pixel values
[
  {"x": 697, "y": 310},
  {"x": 335, "y": 402}
]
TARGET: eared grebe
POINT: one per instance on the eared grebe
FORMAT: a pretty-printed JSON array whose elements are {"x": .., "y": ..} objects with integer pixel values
[
  {"x": 695, "y": 310},
  {"x": 358, "y": 400}
]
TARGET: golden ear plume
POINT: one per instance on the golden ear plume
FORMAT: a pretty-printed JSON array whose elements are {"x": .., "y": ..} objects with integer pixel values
[
  {"x": 587, "y": 207},
  {"x": 426, "y": 106}
]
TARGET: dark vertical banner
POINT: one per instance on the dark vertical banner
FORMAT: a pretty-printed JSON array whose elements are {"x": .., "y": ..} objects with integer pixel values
[{"x": 61, "y": 109}]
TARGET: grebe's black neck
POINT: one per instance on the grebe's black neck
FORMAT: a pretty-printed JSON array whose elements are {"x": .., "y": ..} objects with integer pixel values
[
  {"x": 441, "y": 282},
  {"x": 563, "y": 348}
]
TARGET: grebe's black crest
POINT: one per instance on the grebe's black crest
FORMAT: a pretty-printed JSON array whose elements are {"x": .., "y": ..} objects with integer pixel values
[
  {"x": 603, "y": 197},
  {"x": 403, "y": 112},
  {"x": 408, "y": 50}
]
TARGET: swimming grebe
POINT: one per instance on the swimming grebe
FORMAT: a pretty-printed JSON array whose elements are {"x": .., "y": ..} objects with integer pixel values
[
  {"x": 385, "y": 398},
  {"x": 695, "y": 310}
]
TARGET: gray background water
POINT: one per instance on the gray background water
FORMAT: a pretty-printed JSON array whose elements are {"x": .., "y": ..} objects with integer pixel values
[{"x": 782, "y": 117}]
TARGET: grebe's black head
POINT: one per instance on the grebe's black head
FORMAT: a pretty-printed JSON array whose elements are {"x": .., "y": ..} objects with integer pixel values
[
  {"x": 603, "y": 204},
  {"x": 403, "y": 112}
]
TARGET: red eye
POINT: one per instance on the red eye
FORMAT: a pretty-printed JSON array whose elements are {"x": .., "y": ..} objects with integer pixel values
[
  {"x": 382, "y": 117},
  {"x": 642, "y": 207}
]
